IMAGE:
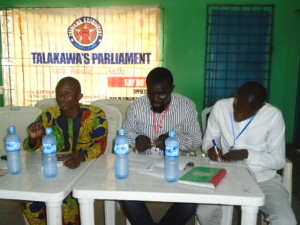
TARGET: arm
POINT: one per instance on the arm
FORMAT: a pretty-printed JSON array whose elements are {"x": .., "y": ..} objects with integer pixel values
[
  {"x": 191, "y": 136},
  {"x": 92, "y": 138},
  {"x": 131, "y": 127},
  {"x": 273, "y": 156},
  {"x": 36, "y": 132},
  {"x": 212, "y": 131}
]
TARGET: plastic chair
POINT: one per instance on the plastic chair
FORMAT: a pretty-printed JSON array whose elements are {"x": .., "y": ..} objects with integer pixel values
[
  {"x": 204, "y": 117},
  {"x": 122, "y": 105},
  {"x": 46, "y": 103},
  {"x": 114, "y": 119},
  {"x": 287, "y": 181},
  {"x": 18, "y": 116}
]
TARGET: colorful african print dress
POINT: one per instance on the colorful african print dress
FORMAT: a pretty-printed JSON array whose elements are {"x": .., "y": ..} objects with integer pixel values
[{"x": 87, "y": 134}]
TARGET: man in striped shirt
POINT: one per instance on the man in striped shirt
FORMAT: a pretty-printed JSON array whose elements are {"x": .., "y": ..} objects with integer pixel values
[{"x": 149, "y": 119}]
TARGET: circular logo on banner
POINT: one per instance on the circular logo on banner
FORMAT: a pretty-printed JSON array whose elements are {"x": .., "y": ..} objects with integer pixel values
[{"x": 85, "y": 33}]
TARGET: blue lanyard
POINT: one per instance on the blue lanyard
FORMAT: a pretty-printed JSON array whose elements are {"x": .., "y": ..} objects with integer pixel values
[{"x": 242, "y": 131}]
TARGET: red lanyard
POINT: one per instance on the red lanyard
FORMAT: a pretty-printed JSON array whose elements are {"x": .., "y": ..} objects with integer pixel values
[{"x": 157, "y": 128}]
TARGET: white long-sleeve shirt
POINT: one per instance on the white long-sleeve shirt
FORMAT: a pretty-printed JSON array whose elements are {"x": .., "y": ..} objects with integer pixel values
[
  {"x": 181, "y": 117},
  {"x": 264, "y": 138}
]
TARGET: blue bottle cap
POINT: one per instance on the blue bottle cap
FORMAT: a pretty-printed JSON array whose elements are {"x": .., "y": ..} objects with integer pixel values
[
  {"x": 172, "y": 133},
  {"x": 12, "y": 129},
  {"x": 48, "y": 130},
  {"x": 122, "y": 131}
]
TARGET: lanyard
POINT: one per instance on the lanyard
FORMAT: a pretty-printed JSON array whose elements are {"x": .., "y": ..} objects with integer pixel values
[
  {"x": 157, "y": 128},
  {"x": 242, "y": 131}
]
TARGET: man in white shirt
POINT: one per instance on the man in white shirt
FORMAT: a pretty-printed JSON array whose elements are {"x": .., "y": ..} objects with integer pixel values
[
  {"x": 252, "y": 130},
  {"x": 149, "y": 119}
]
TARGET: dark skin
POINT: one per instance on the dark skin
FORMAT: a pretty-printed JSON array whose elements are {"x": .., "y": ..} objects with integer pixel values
[
  {"x": 67, "y": 97},
  {"x": 241, "y": 111},
  {"x": 159, "y": 95}
]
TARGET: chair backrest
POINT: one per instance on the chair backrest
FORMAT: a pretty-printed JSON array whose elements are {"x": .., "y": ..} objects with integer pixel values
[
  {"x": 46, "y": 103},
  {"x": 122, "y": 105},
  {"x": 204, "y": 117},
  {"x": 20, "y": 117},
  {"x": 114, "y": 119}
]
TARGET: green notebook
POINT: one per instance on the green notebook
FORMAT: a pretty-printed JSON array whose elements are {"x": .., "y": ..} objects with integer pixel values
[{"x": 203, "y": 177}]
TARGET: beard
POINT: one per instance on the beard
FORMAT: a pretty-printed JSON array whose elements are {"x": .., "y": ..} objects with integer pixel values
[{"x": 158, "y": 108}]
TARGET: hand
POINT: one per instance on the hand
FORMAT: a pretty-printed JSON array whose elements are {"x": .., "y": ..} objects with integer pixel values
[
  {"x": 142, "y": 143},
  {"x": 235, "y": 155},
  {"x": 74, "y": 160},
  {"x": 213, "y": 155},
  {"x": 36, "y": 131},
  {"x": 160, "y": 141}
]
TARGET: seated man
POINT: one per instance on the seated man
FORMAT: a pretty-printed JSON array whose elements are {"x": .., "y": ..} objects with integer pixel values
[
  {"x": 149, "y": 119},
  {"x": 80, "y": 130},
  {"x": 252, "y": 130}
]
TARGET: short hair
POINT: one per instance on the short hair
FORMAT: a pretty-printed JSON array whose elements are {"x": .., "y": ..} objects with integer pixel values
[
  {"x": 158, "y": 75},
  {"x": 72, "y": 80},
  {"x": 253, "y": 93}
]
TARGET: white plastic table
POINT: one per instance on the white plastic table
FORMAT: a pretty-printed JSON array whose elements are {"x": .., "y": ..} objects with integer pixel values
[
  {"x": 30, "y": 185},
  {"x": 99, "y": 182}
]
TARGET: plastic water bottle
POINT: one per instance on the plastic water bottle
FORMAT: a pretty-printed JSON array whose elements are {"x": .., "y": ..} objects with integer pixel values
[
  {"x": 121, "y": 150},
  {"x": 13, "y": 147},
  {"x": 172, "y": 157},
  {"x": 49, "y": 156}
]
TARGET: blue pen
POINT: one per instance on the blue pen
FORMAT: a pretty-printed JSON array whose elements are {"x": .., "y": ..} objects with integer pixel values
[{"x": 215, "y": 147}]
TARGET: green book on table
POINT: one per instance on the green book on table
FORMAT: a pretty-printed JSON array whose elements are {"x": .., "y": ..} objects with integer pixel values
[{"x": 203, "y": 177}]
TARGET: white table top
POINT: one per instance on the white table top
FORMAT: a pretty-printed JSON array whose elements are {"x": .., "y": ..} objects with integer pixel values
[
  {"x": 99, "y": 182},
  {"x": 31, "y": 185}
]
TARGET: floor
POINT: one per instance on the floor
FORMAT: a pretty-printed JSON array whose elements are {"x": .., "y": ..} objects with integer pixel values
[{"x": 15, "y": 216}]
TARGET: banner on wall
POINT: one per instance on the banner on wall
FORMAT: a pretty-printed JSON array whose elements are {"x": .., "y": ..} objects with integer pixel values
[{"x": 109, "y": 50}]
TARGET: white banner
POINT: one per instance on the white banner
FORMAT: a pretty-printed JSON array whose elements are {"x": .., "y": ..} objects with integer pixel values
[{"x": 109, "y": 50}]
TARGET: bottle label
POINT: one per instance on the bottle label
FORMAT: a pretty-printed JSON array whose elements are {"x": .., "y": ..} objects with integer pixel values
[
  {"x": 122, "y": 149},
  {"x": 13, "y": 146},
  {"x": 49, "y": 148},
  {"x": 172, "y": 151}
]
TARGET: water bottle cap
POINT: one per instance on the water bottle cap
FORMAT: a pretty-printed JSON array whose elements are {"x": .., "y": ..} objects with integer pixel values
[
  {"x": 122, "y": 131},
  {"x": 172, "y": 133},
  {"x": 48, "y": 130},
  {"x": 12, "y": 129}
]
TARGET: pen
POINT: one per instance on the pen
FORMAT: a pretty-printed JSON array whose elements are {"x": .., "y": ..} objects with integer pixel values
[{"x": 215, "y": 147}]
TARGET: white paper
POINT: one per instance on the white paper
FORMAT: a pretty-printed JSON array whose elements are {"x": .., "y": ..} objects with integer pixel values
[
  {"x": 154, "y": 164},
  {"x": 235, "y": 163}
]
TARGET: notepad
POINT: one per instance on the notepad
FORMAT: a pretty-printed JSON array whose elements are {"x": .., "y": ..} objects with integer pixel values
[{"x": 203, "y": 177}]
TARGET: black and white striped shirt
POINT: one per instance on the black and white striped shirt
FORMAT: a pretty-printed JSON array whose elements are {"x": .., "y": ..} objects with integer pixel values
[{"x": 181, "y": 117}]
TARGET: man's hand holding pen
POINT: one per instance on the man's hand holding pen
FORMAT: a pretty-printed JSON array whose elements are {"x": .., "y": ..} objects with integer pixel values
[
  {"x": 234, "y": 155},
  {"x": 213, "y": 155}
]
